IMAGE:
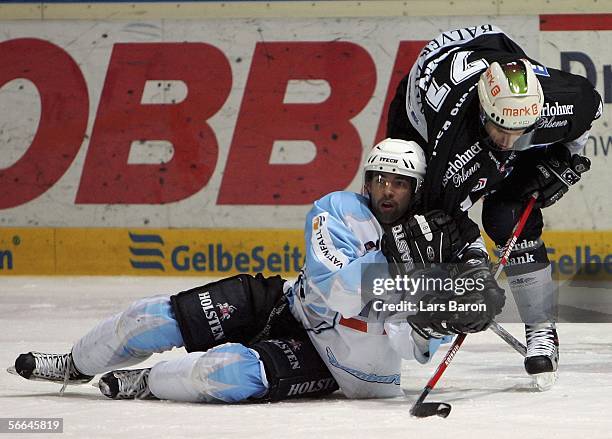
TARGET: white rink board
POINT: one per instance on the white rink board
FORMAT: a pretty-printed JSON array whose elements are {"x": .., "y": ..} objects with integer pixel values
[
  {"x": 90, "y": 43},
  {"x": 590, "y": 207},
  {"x": 485, "y": 384}
]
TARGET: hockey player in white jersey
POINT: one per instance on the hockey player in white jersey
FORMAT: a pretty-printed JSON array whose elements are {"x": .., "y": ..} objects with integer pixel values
[
  {"x": 257, "y": 338},
  {"x": 342, "y": 234}
]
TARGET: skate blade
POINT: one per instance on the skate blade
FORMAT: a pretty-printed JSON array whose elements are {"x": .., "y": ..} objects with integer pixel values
[
  {"x": 544, "y": 381},
  {"x": 13, "y": 371}
]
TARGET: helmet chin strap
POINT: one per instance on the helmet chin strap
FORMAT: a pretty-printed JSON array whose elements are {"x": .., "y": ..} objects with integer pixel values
[
  {"x": 414, "y": 203},
  {"x": 485, "y": 138}
]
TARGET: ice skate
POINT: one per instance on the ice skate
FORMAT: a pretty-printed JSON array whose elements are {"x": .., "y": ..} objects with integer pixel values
[
  {"x": 57, "y": 368},
  {"x": 126, "y": 384},
  {"x": 542, "y": 359}
]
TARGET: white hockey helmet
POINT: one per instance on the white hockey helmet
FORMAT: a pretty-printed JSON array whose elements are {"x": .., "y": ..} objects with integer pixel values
[
  {"x": 510, "y": 95},
  {"x": 397, "y": 156}
]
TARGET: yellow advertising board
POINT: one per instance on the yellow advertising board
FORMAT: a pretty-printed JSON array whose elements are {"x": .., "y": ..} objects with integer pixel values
[
  {"x": 212, "y": 252},
  {"x": 569, "y": 250},
  {"x": 114, "y": 251}
]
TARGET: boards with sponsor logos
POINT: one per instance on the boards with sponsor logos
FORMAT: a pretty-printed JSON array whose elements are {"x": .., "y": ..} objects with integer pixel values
[{"x": 213, "y": 130}]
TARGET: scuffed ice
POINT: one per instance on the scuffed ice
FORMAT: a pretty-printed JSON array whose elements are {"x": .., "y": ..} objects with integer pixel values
[{"x": 490, "y": 393}]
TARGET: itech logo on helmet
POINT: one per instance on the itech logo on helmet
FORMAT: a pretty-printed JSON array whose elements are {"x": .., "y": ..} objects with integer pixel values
[{"x": 388, "y": 160}]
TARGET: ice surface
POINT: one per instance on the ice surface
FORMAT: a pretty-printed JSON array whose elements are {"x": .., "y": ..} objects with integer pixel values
[{"x": 486, "y": 385}]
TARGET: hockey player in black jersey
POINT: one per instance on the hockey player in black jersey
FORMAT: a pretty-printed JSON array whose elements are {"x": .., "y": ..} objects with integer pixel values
[{"x": 495, "y": 123}]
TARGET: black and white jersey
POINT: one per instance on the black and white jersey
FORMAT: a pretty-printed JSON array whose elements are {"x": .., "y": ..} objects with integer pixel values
[{"x": 437, "y": 105}]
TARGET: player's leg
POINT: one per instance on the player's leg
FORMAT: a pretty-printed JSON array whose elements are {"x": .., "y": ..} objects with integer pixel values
[
  {"x": 365, "y": 365},
  {"x": 271, "y": 370},
  {"x": 230, "y": 372},
  {"x": 278, "y": 367},
  {"x": 235, "y": 309},
  {"x": 127, "y": 338},
  {"x": 529, "y": 276}
]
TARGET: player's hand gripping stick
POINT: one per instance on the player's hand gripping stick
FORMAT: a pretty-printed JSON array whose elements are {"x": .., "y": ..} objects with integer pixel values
[{"x": 422, "y": 409}]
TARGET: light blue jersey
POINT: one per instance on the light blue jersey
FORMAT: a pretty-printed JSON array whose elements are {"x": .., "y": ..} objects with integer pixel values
[
  {"x": 363, "y": 354},
  {"x": 341, "y": 234}
]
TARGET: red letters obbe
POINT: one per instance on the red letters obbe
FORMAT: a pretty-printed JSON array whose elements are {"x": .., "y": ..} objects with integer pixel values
[
  {"x": 249, "y": 177},
  {"x": 63, "y": 117},
  {"x": 121, "y": 119},
  {"x": 407, "y": 54}
]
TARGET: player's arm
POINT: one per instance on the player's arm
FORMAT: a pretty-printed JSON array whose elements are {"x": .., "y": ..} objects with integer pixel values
[
  {"x": 587, "y": 108},
  {"x": 336, "y": 228},
  {"x": 552, "y": 174}
]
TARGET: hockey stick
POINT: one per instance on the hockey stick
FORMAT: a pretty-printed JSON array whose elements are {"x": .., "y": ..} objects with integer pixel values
[
  {"x": 508, "y": 338},
  {"x": 422, "y": 409},
  {"x": 516, "y": 232},
  {"x": 503, "y": 261}
]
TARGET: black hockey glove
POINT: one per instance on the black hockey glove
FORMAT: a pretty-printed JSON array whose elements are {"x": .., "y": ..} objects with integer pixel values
[
  {"x": 447, "y": 315},
  {"x": 430, "y": 328},
  {"x": 444, "y": 313},
  {"x": 483, "y": 290},
  {"x": 554, "y": 174},
  {"x": 421, "y": 239},
  {"x": 431, "y": 319}
]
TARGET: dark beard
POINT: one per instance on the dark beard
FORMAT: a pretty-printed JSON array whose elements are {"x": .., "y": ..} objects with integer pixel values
[{"x": 385, "y": 218}]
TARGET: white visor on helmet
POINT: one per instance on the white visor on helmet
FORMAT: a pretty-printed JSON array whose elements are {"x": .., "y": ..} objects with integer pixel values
[{"x": 396, "y": 156}]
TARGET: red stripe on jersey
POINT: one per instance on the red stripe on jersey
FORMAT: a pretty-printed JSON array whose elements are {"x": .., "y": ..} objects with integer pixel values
[
  {"x": 358, "y": 325},
  {"x": 564, "y": 22}
]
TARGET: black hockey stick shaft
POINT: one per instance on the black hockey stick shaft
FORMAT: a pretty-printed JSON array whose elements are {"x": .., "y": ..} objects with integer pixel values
[
  {"x": 422, "y": 409},
  {"x": 508, "y": 338}
]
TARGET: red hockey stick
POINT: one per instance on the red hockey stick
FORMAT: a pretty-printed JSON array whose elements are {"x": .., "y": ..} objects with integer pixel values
[{"x": 422, "y": 409}]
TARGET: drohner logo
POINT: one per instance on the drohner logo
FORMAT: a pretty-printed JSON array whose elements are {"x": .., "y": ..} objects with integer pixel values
[
  {"x": 557, "y": 110},
  {"x": 460, "y": 161}
]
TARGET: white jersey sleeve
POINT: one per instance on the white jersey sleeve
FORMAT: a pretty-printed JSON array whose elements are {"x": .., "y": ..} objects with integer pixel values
[
  {"x": 576, "y": 146},
  {"x": 341, "y": 235},
  {"x": 402, "y": 341}
]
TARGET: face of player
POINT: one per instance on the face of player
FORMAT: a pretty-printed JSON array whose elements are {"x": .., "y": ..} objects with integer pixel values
[
  {"x": 390, "y": 196},
  {"x": 503, "y": 139}
]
